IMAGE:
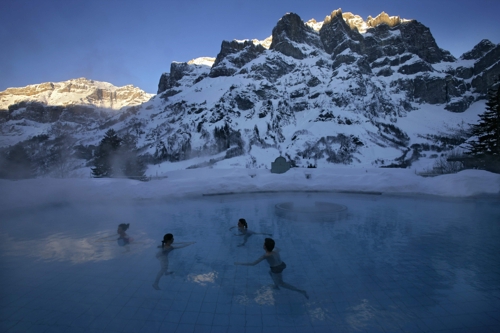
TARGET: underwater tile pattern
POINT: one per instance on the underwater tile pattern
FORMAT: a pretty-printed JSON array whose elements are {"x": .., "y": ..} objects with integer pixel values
[{"x": 390, "y": 264}]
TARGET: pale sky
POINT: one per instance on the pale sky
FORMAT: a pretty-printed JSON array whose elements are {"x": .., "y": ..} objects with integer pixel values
[{"x": 134, "y": 42}]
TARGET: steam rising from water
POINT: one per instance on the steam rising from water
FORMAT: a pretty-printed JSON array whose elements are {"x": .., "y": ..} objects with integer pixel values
[{"x": 65, "y": 247}]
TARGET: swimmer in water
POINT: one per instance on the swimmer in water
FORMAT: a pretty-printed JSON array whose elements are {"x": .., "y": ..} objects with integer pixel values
[
  {"x": 162, "y": 255},
  {"x": 243, "y": 231},
  {"x": 276, "y": 265},
  {"x": 123, "y": 239}
]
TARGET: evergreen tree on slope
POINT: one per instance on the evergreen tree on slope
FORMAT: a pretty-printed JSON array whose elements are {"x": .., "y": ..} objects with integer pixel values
[
  {"x": 130, "y": 163},
  {"x": 105, "y": 155},
  {"x": 117, "y": 157},
  {"x": 486, "y": 132}
]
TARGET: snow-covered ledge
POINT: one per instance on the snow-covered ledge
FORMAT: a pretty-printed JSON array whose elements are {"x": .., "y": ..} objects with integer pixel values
[{"x": 198, "y": 182}]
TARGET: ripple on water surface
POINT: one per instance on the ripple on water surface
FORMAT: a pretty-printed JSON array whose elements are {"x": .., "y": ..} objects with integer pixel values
[{"x": 381, "y": 265}]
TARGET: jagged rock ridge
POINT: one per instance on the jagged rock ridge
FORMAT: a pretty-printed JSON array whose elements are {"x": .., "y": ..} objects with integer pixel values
[
  {"x": 77, "y": 91},
  {"x": 379, "y": 69},
  {"x": 338, "y": 91}
]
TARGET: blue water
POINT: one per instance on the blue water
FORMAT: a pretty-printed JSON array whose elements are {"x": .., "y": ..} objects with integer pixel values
[{"x": 389, "y": 264}]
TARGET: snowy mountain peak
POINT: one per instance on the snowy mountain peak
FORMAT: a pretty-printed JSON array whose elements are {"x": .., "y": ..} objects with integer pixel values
[
  {"x": 316, "y": 26},
  {"x": 79, "y": 91},
  {"x": 357, "y": 22},
  {"x": 266, "y": 43},
  {"x": 374, "y": 92},
  {"x": 384, "y": 18},
  {"x": 345, "y": 90},
  {"x": 202, "y": 61}
]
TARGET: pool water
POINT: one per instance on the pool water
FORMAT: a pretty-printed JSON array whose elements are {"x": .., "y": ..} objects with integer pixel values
[{"x": 389, "y": 264}]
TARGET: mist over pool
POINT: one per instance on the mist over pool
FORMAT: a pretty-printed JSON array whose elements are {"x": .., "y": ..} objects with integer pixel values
[{"x": 392, "y": 262}]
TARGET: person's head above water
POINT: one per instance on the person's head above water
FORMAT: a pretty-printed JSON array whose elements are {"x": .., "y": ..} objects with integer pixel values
[
  {"x": 242, "y": 223},
  {"x": 123, "y": 227},
  {"x": 167, "y": 239},
  {"x": 269, "y": 244}
]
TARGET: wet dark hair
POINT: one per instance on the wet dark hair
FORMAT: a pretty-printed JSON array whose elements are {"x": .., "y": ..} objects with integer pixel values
[
  {"x": 269, "y": 244},
  {"x": 124, "y": 226},
  {"x": 244, "y": 222},
  {"x": 167, "y": 238}
]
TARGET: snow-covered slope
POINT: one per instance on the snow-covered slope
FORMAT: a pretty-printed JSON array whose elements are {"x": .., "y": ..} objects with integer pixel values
[
  {"x": 374, "y": 92},
  {"x": 77, "y": 105},
  {"x": 77, "y": 91}
]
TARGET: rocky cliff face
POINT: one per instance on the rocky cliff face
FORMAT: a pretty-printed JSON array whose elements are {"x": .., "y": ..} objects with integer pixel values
[
  {"x": 195, "y": 68},
  {"x": 77, "y": 91},
  {"x": 290, "y": 33},
  {"x": 78, "y": 102},
  {"x": 402, "y": 50},
  {"x": 345, "y": 90},
  {"x": 344, "y": 71}
]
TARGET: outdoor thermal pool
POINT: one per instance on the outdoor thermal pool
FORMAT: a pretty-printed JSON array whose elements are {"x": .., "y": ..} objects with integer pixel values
[{"x": 389, "y": 264}]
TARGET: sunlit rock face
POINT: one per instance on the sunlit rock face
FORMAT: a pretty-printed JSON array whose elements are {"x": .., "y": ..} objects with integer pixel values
[
  {"x": 377, "y": 69},
  {"x": 337, "y": 36},
  {"x": 338, "y": 91},
  {"x": 77, "y": 91},
  {"x": 384, "y": 46},
  {"x": 197, "y": 68},
  {"x": 73, "y": 104},
  {"x": 380, "y": 36}
]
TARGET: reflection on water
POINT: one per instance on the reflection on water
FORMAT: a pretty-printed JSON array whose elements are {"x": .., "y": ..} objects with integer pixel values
[
  {"x": 317, "y": 314},
  {"x": 387, "y": 260},
  {"x": 361, "y": 315},
  {"x": 242, "y": 299},
  {"x": 64, "y": 247},
  {"x": 317, "y": 211},
  {"x": 203, "y": 279},
  {"x": 264, "y": 296},
  {"x": 57, "y": 247}
]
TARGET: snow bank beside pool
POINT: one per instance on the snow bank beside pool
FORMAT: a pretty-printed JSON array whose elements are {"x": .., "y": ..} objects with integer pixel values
[
  {"x": 198, "y": 182},
  {"x": 464, "y": 184}
]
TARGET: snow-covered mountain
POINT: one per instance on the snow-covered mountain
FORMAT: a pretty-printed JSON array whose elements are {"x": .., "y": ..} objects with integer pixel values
[
  {"x": 345, "y": 90},
  {"x": 79, "y": 103},
  {"x": 78, "y": 91}
]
